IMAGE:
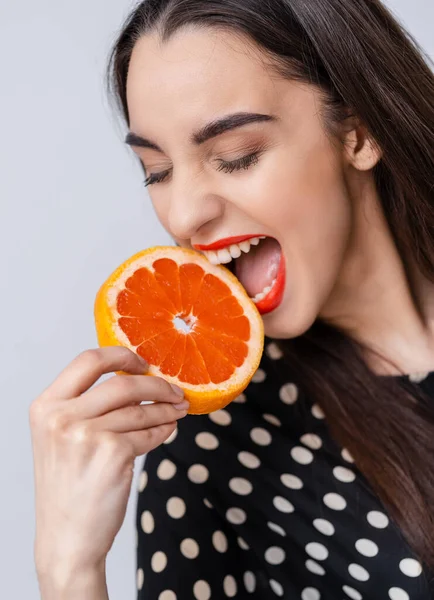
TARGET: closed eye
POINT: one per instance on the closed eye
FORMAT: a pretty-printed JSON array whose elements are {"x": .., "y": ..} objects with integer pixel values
[
  {"x": 156, "y": 177},
  {"x": 239, "y": 164}
]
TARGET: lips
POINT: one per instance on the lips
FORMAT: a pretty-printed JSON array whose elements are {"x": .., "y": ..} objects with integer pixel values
[{"x": 225, "y": 242}]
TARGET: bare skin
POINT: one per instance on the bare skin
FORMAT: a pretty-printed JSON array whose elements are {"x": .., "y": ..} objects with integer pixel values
[{"x": 313, "y": 193}]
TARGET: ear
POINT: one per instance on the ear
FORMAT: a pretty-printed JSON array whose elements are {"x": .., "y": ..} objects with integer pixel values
[{"x": 361, "y": 151}]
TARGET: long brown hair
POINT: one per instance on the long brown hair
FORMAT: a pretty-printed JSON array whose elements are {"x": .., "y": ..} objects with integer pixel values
[{"x": 363, "y": 61}]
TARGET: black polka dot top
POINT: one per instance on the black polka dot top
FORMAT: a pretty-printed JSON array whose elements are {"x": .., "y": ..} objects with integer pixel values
[{"x": 256, "y": 501}]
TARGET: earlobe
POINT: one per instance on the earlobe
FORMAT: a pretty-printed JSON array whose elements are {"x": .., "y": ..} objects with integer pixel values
[{"x": 361, "y": 150}]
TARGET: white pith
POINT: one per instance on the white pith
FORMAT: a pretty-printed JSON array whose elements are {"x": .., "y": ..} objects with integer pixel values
[{"x": 226, "y": 255}]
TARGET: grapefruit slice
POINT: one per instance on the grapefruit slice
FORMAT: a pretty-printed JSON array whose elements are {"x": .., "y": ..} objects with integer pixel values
[{"x": 192, "y": 321}]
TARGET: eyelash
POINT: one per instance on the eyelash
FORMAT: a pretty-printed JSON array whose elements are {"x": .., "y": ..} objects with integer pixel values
[{"x": 244, "y": 162}]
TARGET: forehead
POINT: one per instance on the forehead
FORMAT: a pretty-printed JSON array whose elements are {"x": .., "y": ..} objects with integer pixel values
[{"x": 195, "y": 75}]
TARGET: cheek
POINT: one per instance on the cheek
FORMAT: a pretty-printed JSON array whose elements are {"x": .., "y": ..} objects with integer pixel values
[
  {"x": 301, "y": 195},
  {"x": 309, "y": 210}
]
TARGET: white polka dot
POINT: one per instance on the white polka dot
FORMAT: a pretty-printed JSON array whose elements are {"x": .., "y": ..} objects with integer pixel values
[
  {"x": 367, "y": 547},
  {"x": 352, "y": 593},
  {"x": 241, "y": 399},
  {"x": 314, "y": 567},
  {"x": 288, "y": 393},
  {"x": 171, "y": 437},
  {"x": 249, "y": 460},
  {"x": 317, "y": 551},
  {"x": 158, "y": 562},
  {"x": 274, "y": 555},
  {"x": 201, "y": 590},
  {"x": 358, "y": 572},
  {"x": 318, "y": 412},
  {"x": 291, "y": 481},
  {"x": 283, "y": 504},
  {"x": 147, "y": 521},
  {"x": 219, "y": 541},
  {"x": 396, "y": 593},
  {"x": 197, "y": 473},
  {"x": 240, "y": 486},
  {"x": 276, "y": 587},
  {"x": 311, "y": 440},
  {"x": 259, "y": 376},
  {"x": 167, "y": 595},
  {"x": 260, "y": 436},
  {"x": 189, "y": 548},
  {"x": 410, "y": 567},
  {"x": 140, "y": 578},
  {"x": 176, "y": 507},
  {"x": 143, "y": 480},
  {"x": 302, "y": 455},
  {"x": 310, "y": 593},
  {"x": 220, "y": 417},
  {"x": 207, "y": 503},
  {"x": 377, "y": 519},
  {"x": 166, "y": 469},
  {"x": 343, "y": 474},
  {"x": 347, "y": 456},
  {"x": 272, "y": 419},
  {"x": 273, "y": 351},
  {"x": 249, "y": 581},
  {"x": 335, "y": 501},
  {"x": 236, "y": 516},
  {"x": 229, "y": 586},
  {"x": 418, "y": 377},
  {"x": 324, "y": 526},
  {"x": 206, "y": 441},
  {"x": 277, "y": 528},
  {"x": 242, "y": 544}
]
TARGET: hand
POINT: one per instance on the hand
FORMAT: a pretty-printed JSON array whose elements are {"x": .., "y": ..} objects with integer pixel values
[{"x": 84, "y": 446}]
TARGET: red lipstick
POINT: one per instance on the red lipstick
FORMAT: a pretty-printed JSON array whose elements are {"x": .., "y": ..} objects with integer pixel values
[{"x": 225, "y": 242}]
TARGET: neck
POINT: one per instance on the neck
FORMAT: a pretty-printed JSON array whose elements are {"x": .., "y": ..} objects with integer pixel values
[{"x": 375, "y": 299}]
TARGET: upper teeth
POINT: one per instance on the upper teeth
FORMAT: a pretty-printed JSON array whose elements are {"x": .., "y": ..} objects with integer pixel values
[{"x": 225, "y": 255}]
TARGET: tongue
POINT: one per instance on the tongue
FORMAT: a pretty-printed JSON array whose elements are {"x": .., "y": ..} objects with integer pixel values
[{"x": 257, "y": 269}]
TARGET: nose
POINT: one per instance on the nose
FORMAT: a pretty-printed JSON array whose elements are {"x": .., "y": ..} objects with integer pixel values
[{"x": 193, "y": 203}]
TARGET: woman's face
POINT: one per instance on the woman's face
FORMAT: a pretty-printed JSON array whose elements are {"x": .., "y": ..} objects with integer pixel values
[{"x": 291, "y": 187}]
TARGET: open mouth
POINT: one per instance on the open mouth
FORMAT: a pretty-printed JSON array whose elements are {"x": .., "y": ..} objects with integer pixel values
[{"x": 258, "y": 264}]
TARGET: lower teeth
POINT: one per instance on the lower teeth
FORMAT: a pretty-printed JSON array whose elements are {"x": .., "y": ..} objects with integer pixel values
[{"x": 264, "y": 292}]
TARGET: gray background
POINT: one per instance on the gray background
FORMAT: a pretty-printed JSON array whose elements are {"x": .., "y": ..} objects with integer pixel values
[{"x": 72, "y": 208}]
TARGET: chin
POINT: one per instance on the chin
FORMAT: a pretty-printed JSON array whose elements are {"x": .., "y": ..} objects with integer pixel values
[{"x": 289, "y": 321}]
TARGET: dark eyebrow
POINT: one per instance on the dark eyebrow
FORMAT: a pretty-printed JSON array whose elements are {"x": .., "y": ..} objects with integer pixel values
[
  {"x": 138, "y": 141},
  {"x": 228, "y": 123},
  {"x": 207, "y": 132}
]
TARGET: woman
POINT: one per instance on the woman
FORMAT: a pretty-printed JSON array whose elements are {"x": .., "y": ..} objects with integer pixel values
[{"x": 312, "y": 124}]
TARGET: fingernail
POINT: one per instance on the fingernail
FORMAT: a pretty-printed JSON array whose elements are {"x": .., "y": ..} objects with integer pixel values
[
  {"x": 178, "y": 391},
  {"x": 182, "y": 405}
]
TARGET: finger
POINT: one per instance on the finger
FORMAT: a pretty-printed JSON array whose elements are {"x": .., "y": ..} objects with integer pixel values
[
  {"x": 138, "y": 417},
  {"x": 119, "y": 392},
  {"x": 88, "y": 367},
  {"x": 148, "y": 439}
]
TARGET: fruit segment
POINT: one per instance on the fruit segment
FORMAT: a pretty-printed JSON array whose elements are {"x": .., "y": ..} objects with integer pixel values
[
  {"x": 190, "y": 276},
  {"x": 194, "y": 368},
  {"x": 166, "y": 273}
]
